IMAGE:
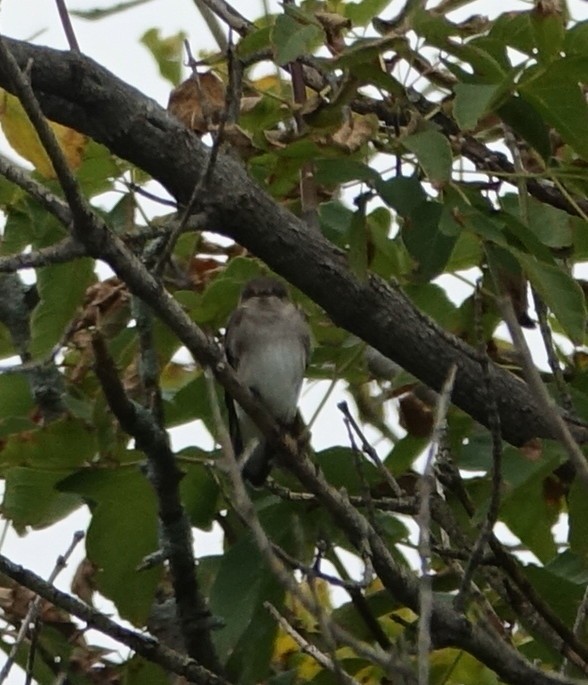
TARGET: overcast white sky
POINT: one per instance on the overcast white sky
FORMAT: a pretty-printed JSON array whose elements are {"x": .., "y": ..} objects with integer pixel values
[{"x": 114, "y": 42}]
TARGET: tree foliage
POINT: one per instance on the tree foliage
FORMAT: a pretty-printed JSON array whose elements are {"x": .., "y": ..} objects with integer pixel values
[{"x": 374, "y": 154}]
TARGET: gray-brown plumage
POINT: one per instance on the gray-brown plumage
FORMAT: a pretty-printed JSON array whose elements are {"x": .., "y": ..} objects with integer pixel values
[{"x": 267, "y": 342}]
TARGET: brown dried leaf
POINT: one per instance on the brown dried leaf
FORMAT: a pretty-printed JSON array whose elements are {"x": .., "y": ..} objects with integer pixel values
[
  {"x": 83, "y": 583},
  {"x": 356, "y": 132},
  {"x": 334, "y": 26},
  {"x": 198, "y": 102},
  {"x": 240, "y": 141},
  {"x": 416, "y": 417}
]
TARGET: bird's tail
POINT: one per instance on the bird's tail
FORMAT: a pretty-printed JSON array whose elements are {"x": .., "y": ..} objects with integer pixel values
[{"x": 258, "y": 465}]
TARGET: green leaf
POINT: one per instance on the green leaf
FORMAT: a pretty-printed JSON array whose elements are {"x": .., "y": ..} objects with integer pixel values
[
  {"x": 241, "y": 585},
  {"x": 334, "y": 172},
  {"x": 433, "y": 153},
  {"x": 404, "y": 452},
  {"x": 30, "y": 498},
  {"x": 339, "y": 467},
  {"x": 560, "y": 292},
  {"x": 167, "y": 53},
  {"x": 62, "y": 444},
  {"x": 549, "y": 32},
  {"x": 558, "y": 97},
  {"x": 15, "y": 397},
  {"x": 402, "y": 193},
  {"x": 139, "y": 671},
  {"x": 576, "y": 40},
  {"x": 123, "y": 531},
  {"x": 200, "y": 494},
  {"x": 426, "y": 242},
  {"x": 552, "y": 226},
  {"x": 254, "y": 42},
  {"x": 358, "y": 244},
  {"x": 472, "y": 101},
  {"x": 527, "y": 122},
  {"x": 292, "y": 39},
  {"x": 433, "y": 301},
  {"x": 525, "y": 508},
  {"x": 61, "y": 290},
  {"x": 514, "y": 29},
  {"x": 98, "y": 169},
  {"x": 361, "y": 13},
  {"x": 559, "y": 592},
  {"x": 578, "y": 515},
  {"x": 335, "y": 220}
]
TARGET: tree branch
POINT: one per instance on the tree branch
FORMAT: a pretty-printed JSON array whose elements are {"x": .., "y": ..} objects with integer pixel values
[
  {"x": 140, "y": 643},
  {"x": 77, "y": 92}
]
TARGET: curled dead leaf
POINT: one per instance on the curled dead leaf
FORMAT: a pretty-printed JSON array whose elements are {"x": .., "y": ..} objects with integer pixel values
[
  {"x": 356, "y": 132},
  {"x": 334, "y": 26},
  {"x": 198, "y": 102},
  {"x": 83, "y": 583},
  {"x": 416, "y": 417}
]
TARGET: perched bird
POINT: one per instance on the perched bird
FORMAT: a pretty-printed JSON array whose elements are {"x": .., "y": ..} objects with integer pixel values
[{"x": 267, "y": 342}]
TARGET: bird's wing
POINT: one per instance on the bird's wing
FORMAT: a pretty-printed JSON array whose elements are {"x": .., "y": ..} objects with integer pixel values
[{"x": 233, "y": 359}]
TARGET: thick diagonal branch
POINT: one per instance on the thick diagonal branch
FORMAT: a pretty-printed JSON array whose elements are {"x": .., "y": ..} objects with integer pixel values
[{"x": 77, "y": 92}]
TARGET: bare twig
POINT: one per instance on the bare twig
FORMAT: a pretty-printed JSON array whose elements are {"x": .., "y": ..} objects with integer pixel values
[
  {"x": 230, "y": 109},
  {"x": 67, "y": 25},
  {"x": 142, "y": 644},
  {"x": 45, "y": 197},
  {"x": 562, "y": 388},
  {"x": 65, "y": 250},
  {"x": 426, "y": 492},
  {"x": 193, "y": 612},
  {"x": 495, "y": 432},
  {"x": 244, "y": 507},
  {"x": 307, "y": 648},
  {"x": 560, "y": 429},
  {"x": 213, "y": 25},
  {"x": 370, "y": 451},
  {"x": 230, "y": 16},
  {"x": 32, "y": 613}
]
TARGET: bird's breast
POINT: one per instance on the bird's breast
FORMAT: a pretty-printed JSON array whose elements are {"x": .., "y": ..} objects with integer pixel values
[{"x": 274, "y": 369}]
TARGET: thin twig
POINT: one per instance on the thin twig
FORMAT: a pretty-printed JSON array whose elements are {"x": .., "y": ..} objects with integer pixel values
[
  {"x": 213, "y": 25},
  {"x": 193, "y": 613},
  {"x": 556, "y": 370},
  {"x": 144, "y": 645},
  {"x": 370, "y": 451},
  {"x": 230, "y": 16},
  {"x": 33, "y": 611},
  {"x": 579, "y": 623},
  {"x": 426, "y": 492},
  {"x": 496, "y": 477},
  {"x": 205, "y": 178},
  {"x": 53, "y": 204},
  {"x": 540, "y": 308},
  {"x": 545, "y": 402},
  {"x": 65, "y": 250},
  {"x": 67, "y": 26},
  {"x": 308, "y": 648},
  {"x": 244, "y": 506}
]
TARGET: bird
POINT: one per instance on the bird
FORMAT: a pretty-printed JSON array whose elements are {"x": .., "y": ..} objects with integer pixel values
[{"x": 267, "y": 342}]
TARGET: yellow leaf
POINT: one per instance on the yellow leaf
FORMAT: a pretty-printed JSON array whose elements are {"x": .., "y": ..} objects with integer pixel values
[
  {"x": 267, "y": 83},
  {"x": 24, "y": 139}
]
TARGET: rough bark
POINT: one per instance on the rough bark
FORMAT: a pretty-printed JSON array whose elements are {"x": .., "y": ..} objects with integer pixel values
[{"x": 76, "y": 91}]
